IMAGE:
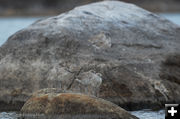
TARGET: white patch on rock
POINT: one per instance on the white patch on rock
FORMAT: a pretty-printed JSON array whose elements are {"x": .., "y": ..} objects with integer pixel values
[
  {"x": 90, "y": 78},
  {"x": 158, "y": 85},
  {"x": 87, "y": 83},
  {"x": 38, "y": 63},
  {"x": 61, "y": 75},
  {"x": 101, "y": 41}
]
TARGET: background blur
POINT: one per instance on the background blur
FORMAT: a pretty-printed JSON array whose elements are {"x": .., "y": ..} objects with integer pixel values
[
  {"x": 18, "y": 14},
  {"x": 52, "y": 7}
]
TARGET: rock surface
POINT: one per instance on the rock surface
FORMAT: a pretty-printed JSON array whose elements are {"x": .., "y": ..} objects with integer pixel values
[
  {"x": 73, "y": 106},
  {"x": 110, "y": 49}
]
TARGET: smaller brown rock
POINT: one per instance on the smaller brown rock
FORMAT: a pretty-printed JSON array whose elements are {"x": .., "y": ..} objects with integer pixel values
[{"x": 74, "y": 104}]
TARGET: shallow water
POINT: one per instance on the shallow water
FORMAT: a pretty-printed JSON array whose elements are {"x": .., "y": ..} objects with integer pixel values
[
  {"x": 148, "y": 114},
  {"x": 8, "y": 115},
  {"x": 143, "y": 114}
]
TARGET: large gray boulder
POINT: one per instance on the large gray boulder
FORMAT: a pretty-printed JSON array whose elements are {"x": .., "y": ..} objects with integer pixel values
[{"x": 110, "y": 49}]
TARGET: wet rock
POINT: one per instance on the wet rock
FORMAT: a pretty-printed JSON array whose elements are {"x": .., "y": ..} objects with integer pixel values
[
  {"x": 110, "y": 49},
  {"x": 69, "y": 105}
]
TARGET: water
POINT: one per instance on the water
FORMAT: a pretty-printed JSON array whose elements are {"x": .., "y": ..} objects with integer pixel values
[
  {"x": 148, "y": 114},
  {"x": 143, "y": 114},
  {"x": 9, "y": 26},
  {"x": 174, "y": 17},
  {"x": 8, "y": 115}
]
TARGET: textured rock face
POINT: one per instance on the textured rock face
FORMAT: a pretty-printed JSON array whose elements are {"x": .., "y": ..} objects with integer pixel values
[
  {"x": 74, "y": 105},
  {"x": 110, "y": 49}
]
